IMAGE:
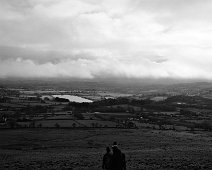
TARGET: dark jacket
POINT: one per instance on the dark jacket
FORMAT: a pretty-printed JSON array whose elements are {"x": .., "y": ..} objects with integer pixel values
[
  {"x": 118, "y": 160},
  {"x": 107, "y": 160}
]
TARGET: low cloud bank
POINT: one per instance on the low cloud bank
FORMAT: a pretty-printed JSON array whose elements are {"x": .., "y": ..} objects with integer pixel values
[{"x": 106, "y": 38}]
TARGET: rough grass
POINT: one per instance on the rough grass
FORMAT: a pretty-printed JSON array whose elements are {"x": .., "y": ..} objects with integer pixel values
[{"x": 83, "y": 149}]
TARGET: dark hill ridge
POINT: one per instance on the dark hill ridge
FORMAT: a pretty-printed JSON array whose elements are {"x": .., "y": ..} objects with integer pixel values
[{"x": 125, "y": 86}]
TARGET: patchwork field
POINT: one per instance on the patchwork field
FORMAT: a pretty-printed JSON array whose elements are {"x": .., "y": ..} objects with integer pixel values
[{"x": 82, "y": 149}]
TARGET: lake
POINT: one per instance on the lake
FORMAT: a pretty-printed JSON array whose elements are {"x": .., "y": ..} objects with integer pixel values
[{"x": 72, "y": 98}]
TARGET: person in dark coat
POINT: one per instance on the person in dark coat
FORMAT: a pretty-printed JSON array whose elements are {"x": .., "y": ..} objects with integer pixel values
[
  {"x": 107, "y": 160},
  {"x": 118, "y": 158}
]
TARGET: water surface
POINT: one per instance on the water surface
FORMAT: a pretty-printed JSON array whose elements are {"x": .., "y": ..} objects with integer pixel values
[{"x": 73, "y": 98}]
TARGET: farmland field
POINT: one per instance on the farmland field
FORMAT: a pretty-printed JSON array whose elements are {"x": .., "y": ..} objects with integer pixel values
[
  {"x": 82, "y": 149},
  {"x": 88, "y": 123},
  {"x": 51, "y": 123}
]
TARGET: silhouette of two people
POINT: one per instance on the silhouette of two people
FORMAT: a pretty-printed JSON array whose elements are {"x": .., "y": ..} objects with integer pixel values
[{"x": 115, "y": 160}]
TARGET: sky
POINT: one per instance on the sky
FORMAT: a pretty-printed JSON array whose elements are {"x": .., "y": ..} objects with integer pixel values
[{"x": 106, "y": 38}]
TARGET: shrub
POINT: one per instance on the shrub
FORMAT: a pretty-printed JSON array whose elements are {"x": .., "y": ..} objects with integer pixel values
[
  {"x": 79, "y": 116},
  {"x": 57, "y": 125}
]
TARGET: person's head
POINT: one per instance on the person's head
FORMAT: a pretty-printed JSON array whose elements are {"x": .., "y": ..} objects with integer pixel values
[
  {"x": 114, "y": 145},
  {"x": 107, "y": 149}
]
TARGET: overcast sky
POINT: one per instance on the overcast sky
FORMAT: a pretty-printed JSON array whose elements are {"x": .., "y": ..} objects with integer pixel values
[{"x": 106, "y": 38}]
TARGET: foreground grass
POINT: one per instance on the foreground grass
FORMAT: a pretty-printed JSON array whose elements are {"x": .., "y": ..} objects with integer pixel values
[{"x": 83, "y": 149}]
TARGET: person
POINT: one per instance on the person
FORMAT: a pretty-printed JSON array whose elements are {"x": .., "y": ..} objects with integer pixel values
[
  {"x": 118, "y": 158},
  {"x": 107, "y": 159}
]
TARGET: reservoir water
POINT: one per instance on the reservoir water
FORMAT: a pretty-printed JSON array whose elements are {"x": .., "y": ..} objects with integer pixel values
[{"x": 72, "y": 98}]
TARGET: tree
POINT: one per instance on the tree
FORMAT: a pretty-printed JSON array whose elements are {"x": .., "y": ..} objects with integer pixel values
[
  {"x": 40, "y": 125},
  {"x": 12, "y": 123},
  {"x": 32, "y": 124},
  {"x": 74, "y": 125},
  {"x": 79, "y": 116},
  {"x": 57, "y": 125}
]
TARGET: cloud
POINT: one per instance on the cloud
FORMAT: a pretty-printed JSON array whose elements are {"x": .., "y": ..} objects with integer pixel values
[{"x": 106, "y": 38}]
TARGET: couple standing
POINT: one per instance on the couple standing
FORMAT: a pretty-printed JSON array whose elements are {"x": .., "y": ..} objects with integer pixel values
[{"x": 115, "y": 160}]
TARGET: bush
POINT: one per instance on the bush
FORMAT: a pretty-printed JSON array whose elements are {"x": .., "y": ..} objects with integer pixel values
[
  {"x": 74, "y": 125},
  {"x": 206, "y": 125},
  {"x": 57, "y": 125},
  {"x": 79, "y": 116},
  {"x": 12, "y": 123},
  {"x": 40, "y": 125},
  {"x": 32, "y": 124}
]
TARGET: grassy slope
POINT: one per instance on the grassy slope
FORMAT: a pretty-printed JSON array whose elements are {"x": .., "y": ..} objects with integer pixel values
[{"x": 83, "y": 149}]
